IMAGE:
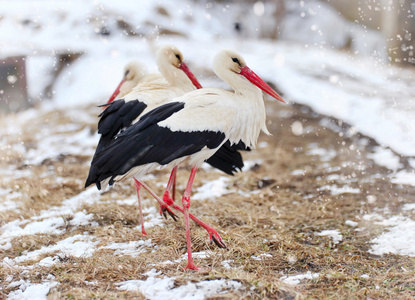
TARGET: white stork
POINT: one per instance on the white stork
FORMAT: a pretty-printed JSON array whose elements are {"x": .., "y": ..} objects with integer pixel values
[
  {"x": 191, "y": 128},
  {"x": 141, "y": 92},
  {"x": 134, "y": 72},
  {"x": 154, "y": 90}
]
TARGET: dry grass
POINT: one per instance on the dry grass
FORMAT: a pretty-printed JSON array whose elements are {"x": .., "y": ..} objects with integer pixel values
[{"x": 281, "y": 218}]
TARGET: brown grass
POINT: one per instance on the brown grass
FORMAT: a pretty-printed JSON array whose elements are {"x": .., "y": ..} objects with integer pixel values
[{"x": 281, "y": 218}]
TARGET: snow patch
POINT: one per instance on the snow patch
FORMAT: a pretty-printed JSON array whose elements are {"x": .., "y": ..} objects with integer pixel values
[
  {"x": 227, "y": 263},
  {"x": 351, "y": 223},
  {"x": 409, "y": 206},
  {"x": 399, "y": 237},
  {"x": 133, "y": 248},
  {"x": 152, "y": 218},
  {"x": 29, "y": 291},
  {"x": 9, "y": 199},
  {"x": 298, "y": 172},
  {"x": 325, "y": 155},
  {"x": 335, "y": 190},
  {"x": 77, "y": 246},
  {"x": 51, "y": 220},
  {"x": 404, "y": 177},
  {"x": 213, "y": 189},
  {"x": 249, "y": 164},
  {"x": 261, "y": 256},
  {"x": 80, "y": 218},
  {"x": 48, "y": 261},
  {"x": 296, "y": 279},
  {"x": 334, "y": 234},
  {"x": 157, "y": 286},
  {"x": 386, "y": 158}
]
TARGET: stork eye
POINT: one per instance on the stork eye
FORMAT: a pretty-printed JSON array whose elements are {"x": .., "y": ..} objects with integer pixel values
[
  {"x": 234, "y": 59},
  {"x": 126, "y": 72},
  {"x": 178, "y": 57}
]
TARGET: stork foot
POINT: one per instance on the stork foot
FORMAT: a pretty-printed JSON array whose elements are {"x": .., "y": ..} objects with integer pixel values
[
  {"x": 164, "y": 209},
  {"x": 191, "y": 266},
  {"x": 215, "y": 237}
]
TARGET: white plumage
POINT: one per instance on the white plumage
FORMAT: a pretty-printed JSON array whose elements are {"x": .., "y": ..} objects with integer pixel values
[{"x": 191, "y": 127}]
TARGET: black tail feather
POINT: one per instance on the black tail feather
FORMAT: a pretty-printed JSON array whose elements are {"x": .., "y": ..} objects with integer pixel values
[
  {"x": 118, "y": 115},
  {"x": 228, "y": 159}
]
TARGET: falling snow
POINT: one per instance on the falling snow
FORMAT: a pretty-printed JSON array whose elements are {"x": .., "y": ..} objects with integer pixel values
[{"x": 359, "y": 88}]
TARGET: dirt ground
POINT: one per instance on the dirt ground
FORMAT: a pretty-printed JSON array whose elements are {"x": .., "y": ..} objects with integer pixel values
[{"x": 276, "y": 208}]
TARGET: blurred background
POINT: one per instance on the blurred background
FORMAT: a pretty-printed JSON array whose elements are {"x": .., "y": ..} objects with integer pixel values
[{"x": 74, "y": 51}]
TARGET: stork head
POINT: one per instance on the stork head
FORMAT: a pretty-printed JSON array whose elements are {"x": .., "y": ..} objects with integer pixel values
[
  {"x": 169, "y": 57},
  {"x": 228, "y": 62},
  {"x": 134, "y": 71}
]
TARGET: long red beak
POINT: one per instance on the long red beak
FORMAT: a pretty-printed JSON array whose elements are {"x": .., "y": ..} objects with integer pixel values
[
  {"x": 255, "y": 79},
  {"x": 191, "y": 76},
  {"x": 116, "y": 92}
]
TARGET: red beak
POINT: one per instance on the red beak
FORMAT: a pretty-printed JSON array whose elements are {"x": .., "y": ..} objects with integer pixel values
[
  {"x": 255, "y": 79},
  {"x": 116, "y": 92},
  {"x": 191, "y": 76}
]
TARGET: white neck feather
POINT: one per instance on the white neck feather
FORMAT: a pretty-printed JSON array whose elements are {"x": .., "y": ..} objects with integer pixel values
[
  {"x": 174, "y": 76},
  {"x": 251, "y": 108}
]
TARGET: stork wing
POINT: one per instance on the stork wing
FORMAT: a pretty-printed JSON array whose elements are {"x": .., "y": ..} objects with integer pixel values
[
  {"x": 118, "y": 115},
  {"x": 227, "y": 158},
  {"x": 148, "y": 142}
]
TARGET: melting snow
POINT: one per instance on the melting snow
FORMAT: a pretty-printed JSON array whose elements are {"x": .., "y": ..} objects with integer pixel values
[
  {"x": 213, "y": 189},
  {"x": 335, "y": 190},
  {"x": 9, "y": 199},
  {"x": 386, "y": 158},
  {"x": 409, "y": 206},
  {"x": 157, "y": 286},
  {"x": 227, "y": 263},
  {"x": 351, "y": 223},
  {"x": 77, "y": 246},
  {"x": 48, "y": 261},
  {"x": 80, "y": 218},
  {"x": 251, "y": 163},
  {"x": 404, "y": 177},
  {"x": 261, "y": 256},
  {"x": 296, "y": 279},
  {"x": 51, "y": 220},
  {"x": 325, "y": 155},
  {"x": 133, "y": 248},
  {"x": 334, "y": 234},
  {"x": 152, "y": 218},
  {"x": 298, "y": 172},
  {"x": 29, "y": 291},
  {"x": 399, "y": 237}
]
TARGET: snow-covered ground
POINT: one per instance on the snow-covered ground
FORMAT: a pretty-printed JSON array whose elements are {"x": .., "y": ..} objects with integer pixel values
[{"x": 373, "y": 97}]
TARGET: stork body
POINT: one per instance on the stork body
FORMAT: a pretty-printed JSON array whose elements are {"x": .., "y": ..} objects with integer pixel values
[
  {"x": 153, "y": 90},
  {"x": 191, "y": 128},
  {"x": 141, "y": 92}
]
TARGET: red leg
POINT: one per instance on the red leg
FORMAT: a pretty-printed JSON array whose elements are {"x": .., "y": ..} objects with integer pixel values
[
  {"x": 137, "y": 187},
  {"x": 172, "y": 181},
  {"x": 186, "y": 206},
  {"x": 213, "y": 234},
  {"x": 163, "y": 206},
  {"x": 173, "y": 190}
]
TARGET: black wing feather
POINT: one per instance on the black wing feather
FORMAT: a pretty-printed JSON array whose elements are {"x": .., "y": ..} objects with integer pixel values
[
  {"x": 227, "y": 158},
  {"x": 118, "y": 115},
  {"x": 147, "y": 142}
]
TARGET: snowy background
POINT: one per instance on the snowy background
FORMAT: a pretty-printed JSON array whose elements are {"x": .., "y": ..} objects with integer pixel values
[{"x": 309, "y": 63}]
